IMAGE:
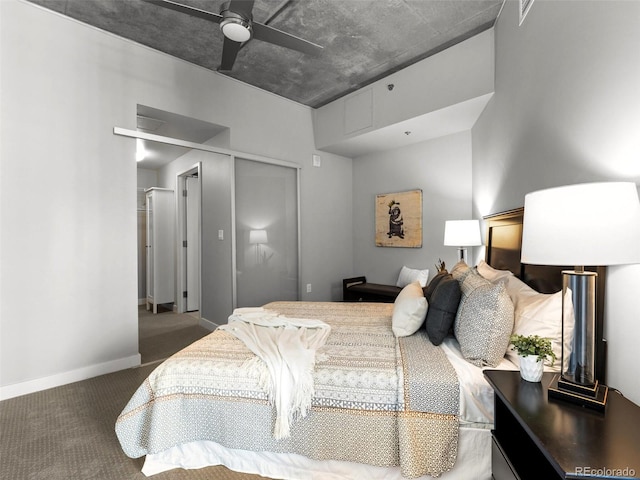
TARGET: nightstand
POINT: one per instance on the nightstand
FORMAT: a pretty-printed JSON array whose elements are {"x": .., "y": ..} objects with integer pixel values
[{"x": 538, "y": 439}]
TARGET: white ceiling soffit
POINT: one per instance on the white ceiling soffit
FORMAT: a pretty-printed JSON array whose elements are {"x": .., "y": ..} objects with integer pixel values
[
  {"x": 148, "y": 124},
  {"x": 168, "y": 124},
  {"x": 446, "y": 121}
]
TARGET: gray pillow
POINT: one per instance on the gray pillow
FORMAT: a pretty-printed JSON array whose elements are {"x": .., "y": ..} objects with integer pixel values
[
  {"x": 443, "y": 306},
  {"x": 460, "y": 271},
  {"x": 431, "y": 287},
  {"x": 484, "y": 320}
]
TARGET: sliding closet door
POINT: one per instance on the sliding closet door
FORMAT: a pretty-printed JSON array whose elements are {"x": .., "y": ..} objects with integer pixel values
[{"x": 266, "y": 206}]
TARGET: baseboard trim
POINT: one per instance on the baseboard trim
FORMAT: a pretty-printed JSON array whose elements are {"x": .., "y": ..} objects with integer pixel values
[
  {"x": 44, "y": 383},
  {"x": 208, "y": 324}
]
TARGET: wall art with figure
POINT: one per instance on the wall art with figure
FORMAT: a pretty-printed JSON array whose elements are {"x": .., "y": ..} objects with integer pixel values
[{"x": 399, "y": 219}]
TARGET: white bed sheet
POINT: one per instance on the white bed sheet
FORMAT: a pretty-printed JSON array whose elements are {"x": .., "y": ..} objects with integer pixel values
[
  {"x": 473, "y": 462},
  {"x": 476, "y": 395}
]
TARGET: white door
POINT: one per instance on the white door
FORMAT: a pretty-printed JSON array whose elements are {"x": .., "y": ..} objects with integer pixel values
[{"x": 192, "y": 206}]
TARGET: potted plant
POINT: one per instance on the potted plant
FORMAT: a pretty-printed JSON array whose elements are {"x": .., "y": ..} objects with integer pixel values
[{"x": 532, "y": 350}]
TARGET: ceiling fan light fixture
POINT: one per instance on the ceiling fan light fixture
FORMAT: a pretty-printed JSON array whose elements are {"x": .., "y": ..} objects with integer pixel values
[{"x": 236, "y": 29}]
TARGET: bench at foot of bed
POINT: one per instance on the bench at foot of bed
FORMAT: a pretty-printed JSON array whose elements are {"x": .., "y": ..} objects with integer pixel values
[{"x": 357, "y": 289}]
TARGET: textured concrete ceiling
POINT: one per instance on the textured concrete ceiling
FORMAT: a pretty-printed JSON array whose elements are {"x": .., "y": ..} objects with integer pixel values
[{"x": 363, "y": 40}]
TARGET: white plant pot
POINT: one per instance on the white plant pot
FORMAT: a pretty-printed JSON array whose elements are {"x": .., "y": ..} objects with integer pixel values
[{"x": 530, "y": 368}]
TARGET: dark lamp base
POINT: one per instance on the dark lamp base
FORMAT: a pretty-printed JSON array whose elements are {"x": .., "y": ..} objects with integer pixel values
[
  {"x": 591, "y": 396},
  {"x": 588, "y": 389}
]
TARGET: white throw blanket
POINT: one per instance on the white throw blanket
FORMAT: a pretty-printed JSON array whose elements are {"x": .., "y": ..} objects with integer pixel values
[{"x": 287, "y": 348}]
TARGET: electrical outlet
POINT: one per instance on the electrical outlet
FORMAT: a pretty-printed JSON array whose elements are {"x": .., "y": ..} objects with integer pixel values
[{"x": 308, "y": 288}]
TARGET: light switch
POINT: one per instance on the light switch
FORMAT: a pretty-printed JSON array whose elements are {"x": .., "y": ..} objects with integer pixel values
[{"x": 220, "y": 234}]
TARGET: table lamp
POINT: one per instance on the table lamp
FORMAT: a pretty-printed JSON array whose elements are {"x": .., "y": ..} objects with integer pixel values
[
  {"x": 462, "y": 234},
  {"x": 591, "y": 224}
]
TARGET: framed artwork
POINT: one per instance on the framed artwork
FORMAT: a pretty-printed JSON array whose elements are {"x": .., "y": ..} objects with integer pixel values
[{"x": 399, "y": 219}]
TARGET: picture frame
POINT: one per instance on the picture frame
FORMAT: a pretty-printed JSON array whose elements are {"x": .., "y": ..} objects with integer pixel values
[{"x": 398, "y": 219}]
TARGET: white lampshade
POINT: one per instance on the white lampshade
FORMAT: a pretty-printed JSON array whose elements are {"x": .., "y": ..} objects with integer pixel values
[
  {"x": 258, "y": 236},
  {"x": 462, "y": 233},
  {"x": 591, "y": 224}
]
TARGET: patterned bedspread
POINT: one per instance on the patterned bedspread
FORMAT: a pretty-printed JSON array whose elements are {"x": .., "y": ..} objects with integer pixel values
[{"x": 378, "y": 400}]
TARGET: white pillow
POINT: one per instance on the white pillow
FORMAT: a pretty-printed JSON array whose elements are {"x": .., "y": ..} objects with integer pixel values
[
  {"x": 410, "y": 275},
  {"x": 517, "y": 289},
  {"x": 409, "y": 310},
  {"x": 490, "y": 273},
  {"x": 541, "y": 314}
]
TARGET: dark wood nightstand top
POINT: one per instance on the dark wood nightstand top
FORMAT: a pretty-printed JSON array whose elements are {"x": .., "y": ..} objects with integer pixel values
[{"x": 571, "y": 437}]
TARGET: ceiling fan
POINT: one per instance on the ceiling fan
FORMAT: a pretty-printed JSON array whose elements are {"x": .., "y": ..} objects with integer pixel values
[{"x": 237, "y": 25}]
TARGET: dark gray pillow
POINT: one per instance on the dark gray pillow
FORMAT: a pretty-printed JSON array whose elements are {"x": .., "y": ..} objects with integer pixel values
[
  {"x": 442, "y": 310},
  {"x": 430, "y": 288}
]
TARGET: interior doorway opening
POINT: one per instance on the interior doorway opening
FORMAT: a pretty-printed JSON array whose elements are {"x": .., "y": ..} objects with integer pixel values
[{"x": 228, "y": 248}]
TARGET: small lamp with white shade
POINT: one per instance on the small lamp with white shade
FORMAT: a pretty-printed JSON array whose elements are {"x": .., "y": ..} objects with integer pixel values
[{"x": 462, "y": 234}]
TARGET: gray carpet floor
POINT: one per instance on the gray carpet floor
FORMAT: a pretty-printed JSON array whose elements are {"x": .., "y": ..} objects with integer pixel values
[
  {"x": 164, "y": 333},
  {"x": 67, "y": 433}
]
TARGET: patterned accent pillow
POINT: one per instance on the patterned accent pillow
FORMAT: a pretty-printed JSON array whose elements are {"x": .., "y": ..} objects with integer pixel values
[
  {"x": 484, "y": 320},
  {"x": 409, "y": 310},
  {"x": 443, "y": 306},
  {"x": 409, "y": 275}
]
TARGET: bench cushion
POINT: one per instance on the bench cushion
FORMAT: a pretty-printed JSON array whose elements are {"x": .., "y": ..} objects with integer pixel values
[{"x": 376, "y": 289}]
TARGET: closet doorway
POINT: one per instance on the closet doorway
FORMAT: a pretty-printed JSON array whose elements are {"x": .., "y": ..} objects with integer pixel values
[{"x": 266, "y": 225}]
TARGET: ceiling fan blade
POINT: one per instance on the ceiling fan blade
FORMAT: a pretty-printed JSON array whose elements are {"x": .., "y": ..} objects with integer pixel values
[
  {"x": 194, "y": 12},
  {"x": 284, "y": 39},
  {"x": 243, "y": 7},
  {"x": 230, "y": 51}
]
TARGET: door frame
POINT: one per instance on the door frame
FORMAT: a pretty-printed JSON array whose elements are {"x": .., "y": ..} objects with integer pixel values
[{"x": 181, "y": 222}]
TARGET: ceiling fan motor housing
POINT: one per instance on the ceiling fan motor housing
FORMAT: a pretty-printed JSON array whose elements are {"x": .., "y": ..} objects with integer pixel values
[{"x": 235, "y": 26}]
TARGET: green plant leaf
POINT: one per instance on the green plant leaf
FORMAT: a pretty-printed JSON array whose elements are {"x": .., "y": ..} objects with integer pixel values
[{"x": 533, "y": 345}]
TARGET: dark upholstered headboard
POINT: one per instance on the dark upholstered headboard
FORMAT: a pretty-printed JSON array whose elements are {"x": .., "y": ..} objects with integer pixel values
[{"x": 504, "y": 242}]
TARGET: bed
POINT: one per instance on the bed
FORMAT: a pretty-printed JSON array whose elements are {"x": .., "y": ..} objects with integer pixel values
[{"x": 375, "y": 411}]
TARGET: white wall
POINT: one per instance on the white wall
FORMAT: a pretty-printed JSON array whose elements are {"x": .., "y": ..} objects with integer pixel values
[
  {"x": 567, "y": 110},
  {"x": 326, "y": 226},
  {"x": 68, "y": 188},
  {"x": 442, "y": 169}
]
